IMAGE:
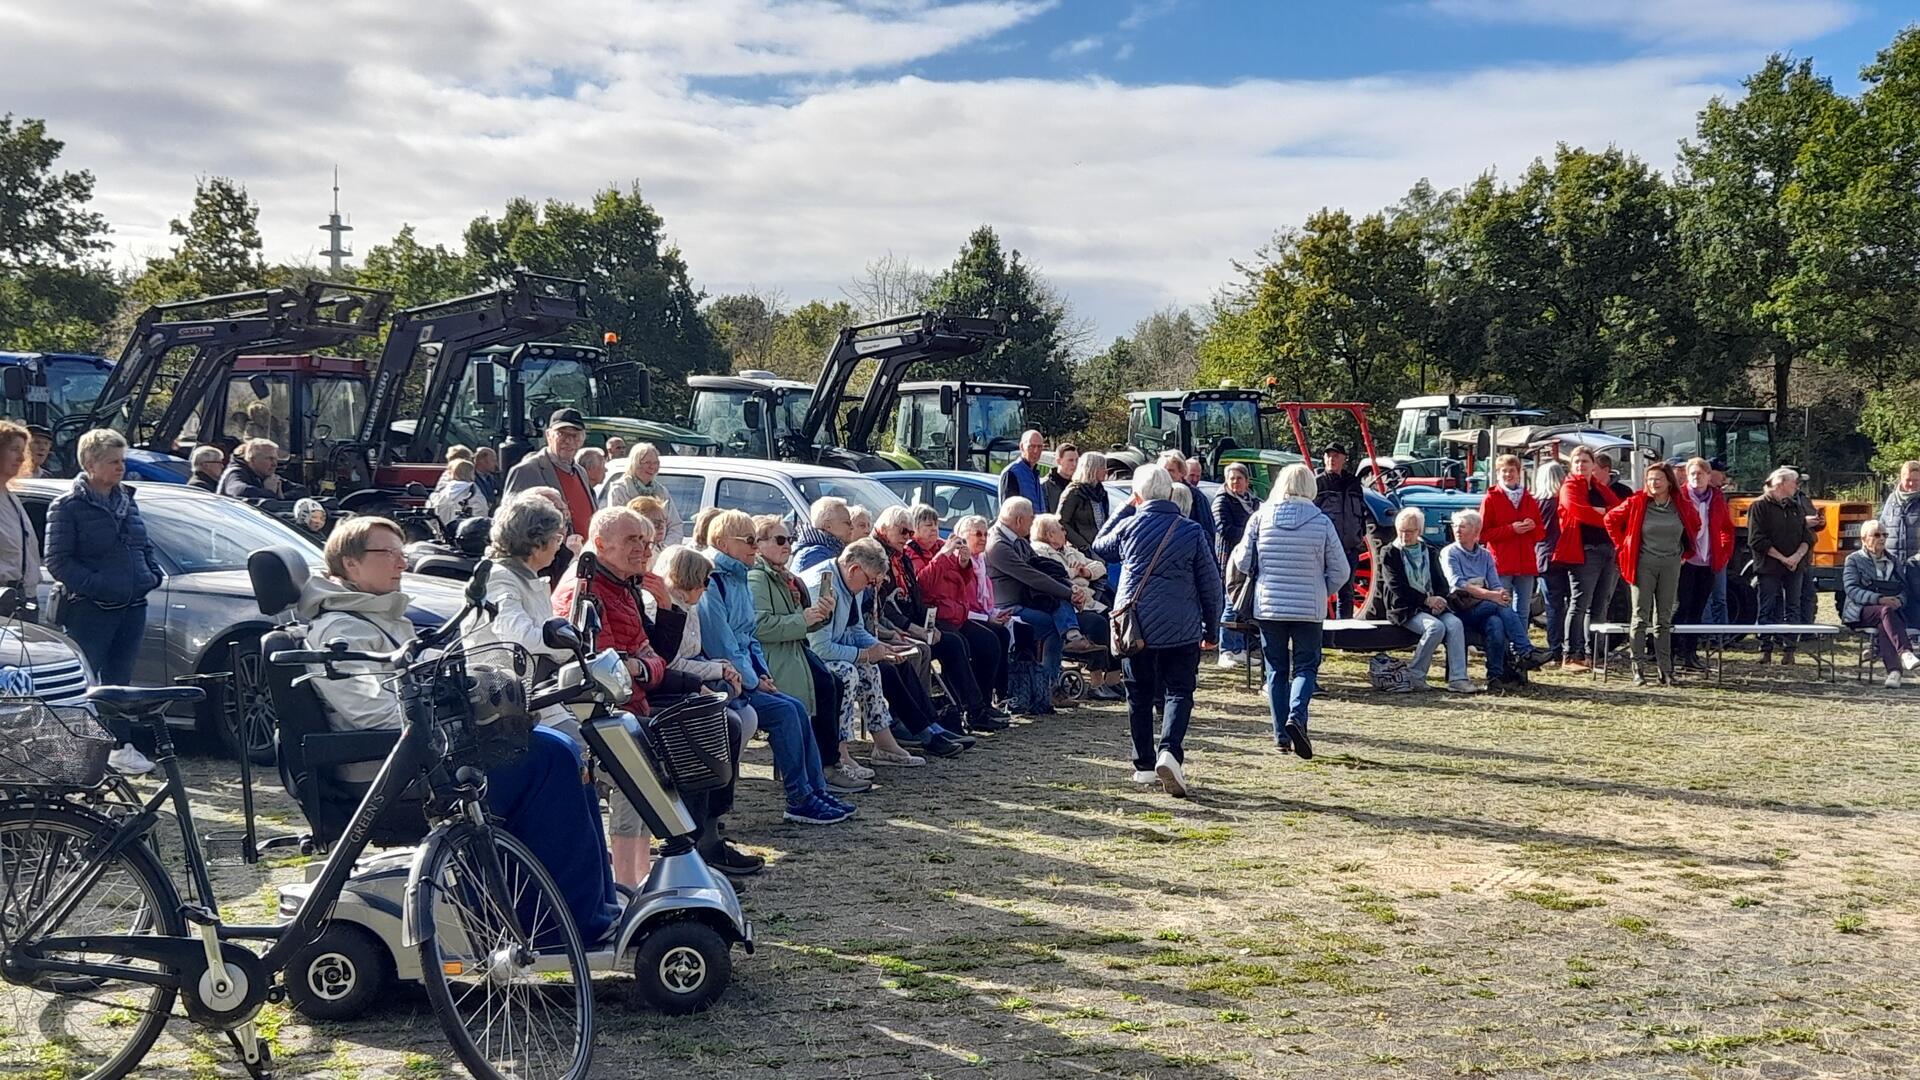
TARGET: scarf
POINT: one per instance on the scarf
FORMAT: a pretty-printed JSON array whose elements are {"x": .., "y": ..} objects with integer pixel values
[
  {"x": 1419, "y": 572},
  {"x": 116, "y": 502},
  {"x": 1514, "y": 494}
]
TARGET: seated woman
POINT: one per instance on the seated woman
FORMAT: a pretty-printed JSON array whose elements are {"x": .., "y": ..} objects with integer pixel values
[
  {"x": 459, "y": 495},
  {"x": 784, "y": 613},
  {"x": 1414, "y": 584},
  {"x": 1049, "y": 535},
  {"x": 541, "y": 799},
  {"x": 939, "y": 567},
  {"x": 1871, "y": 586},
  {"x": 1485, "y": 603},
  {"x": 527, "y": 534}
]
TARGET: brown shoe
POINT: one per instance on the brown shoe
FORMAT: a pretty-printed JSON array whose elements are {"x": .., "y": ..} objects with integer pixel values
[{"x": 1575, "y": 664}]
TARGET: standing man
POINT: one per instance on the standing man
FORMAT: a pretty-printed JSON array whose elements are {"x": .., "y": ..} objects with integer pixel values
[
  {"x": 1343, "y": 498},
  {"x": 592, "y": 461},
  {"x": 555, "y": 468},
  {"x": 1901, "y": 515},
  {"x": 207, "y": 462},
  {"x": 1778, "y": 534},
  {"x": 1022, "y": 478},
  {"x": 616, "y": 448},
  {"x": 1066, "y": 458}
]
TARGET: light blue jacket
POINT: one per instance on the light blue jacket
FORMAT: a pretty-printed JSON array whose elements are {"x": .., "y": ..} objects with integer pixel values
[
  {"x": 1295, "y": 558},
  {"x": 845, "y": 634},
  {"x": 728, "y": 621}
]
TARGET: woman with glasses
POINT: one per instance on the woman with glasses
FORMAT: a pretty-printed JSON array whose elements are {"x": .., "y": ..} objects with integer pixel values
[{"x": 784, "y": 614}]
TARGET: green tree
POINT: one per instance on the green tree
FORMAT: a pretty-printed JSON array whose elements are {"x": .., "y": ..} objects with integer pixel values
[
  {"x": 219, "y": 249},
  {"x": 413, "y": 272},
  {"x": 54, "y": 293},
  {"x": 1041, "y": 337},
  {"x": 744, "y": 324},
  {"x": 803, "y": 336},
  {"x": 637, "y": 282}
]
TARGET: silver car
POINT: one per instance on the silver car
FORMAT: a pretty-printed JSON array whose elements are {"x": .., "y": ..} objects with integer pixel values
[{"x": 203, "y": 618}]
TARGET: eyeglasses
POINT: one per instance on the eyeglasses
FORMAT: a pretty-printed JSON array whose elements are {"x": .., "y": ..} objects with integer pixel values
[
  {"x": 386, "y": 551},
  {"x": 744, "y": 539},
  {"x": 783, "y": 541}
]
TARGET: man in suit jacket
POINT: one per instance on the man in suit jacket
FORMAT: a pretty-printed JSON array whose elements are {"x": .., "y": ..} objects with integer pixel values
[{"x": 554, "y": 467}]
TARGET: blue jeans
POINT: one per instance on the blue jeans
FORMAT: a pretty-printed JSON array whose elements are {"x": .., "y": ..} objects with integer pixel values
[
  {"x": 1293, "y": 670},
  {"x": 1232, "y": 641},
  {"x": 1502, "y": 628},
  {"x": 544, "y": 801},
  {"x": 1163, "y": 677},
  {"x": 1522, "y": 585},
  {"x": 790, "y": 732},
  {"x": 1717, "y": 602},
  {"x": 1050, "y": 627},
  {"x": 109, "y": 638}
]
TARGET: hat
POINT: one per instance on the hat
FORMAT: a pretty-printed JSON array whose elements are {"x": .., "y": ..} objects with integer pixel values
[
  {"x": 1717, "y": 464},
  {"x": 1334, "y": 448},
  {"x": 566, "y": 418}
]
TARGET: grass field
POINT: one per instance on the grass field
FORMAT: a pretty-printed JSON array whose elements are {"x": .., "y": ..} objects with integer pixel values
[{"x": 1585, "y": 882}]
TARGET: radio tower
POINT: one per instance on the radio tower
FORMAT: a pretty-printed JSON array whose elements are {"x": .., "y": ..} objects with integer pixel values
[{"x": 334, "y": 227}]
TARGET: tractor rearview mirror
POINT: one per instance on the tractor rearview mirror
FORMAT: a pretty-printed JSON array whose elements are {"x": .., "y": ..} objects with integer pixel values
[
  {"x": 948, "y": 401},
  {"x": 753, "y": 413},
  {"x": 13, "y": 382},
  {"x": 484, "y": 391}
]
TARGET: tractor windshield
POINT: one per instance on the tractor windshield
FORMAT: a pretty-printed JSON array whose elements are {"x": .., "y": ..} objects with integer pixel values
[
  {"x": 559, "y": 384},
  {"x": 334, "y": 407},
  {"x": 1237, "y": 419},
  {"x": 1747, "y": 448},
  {"x": 995, "y": 422},
  {"x": 72, "y": 387},
  {"x": 721, "y": 415}
]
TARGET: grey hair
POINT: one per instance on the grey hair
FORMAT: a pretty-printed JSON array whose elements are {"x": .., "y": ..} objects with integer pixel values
[
  {"x": 1297, "y": 482},
  {"x": 98, "y": 443},
  {"x": 1091, "y": 468},
  {"x": 1872, "y": 527},
  {"x": 922, "y": 513},
  {"x": 524, "y": 525},
  {"x": 589, "y": 455},
  {"x": 638, "y": 451},
  {"x": 867, "y": 554},
  {"x": 1042, "y": 524},
  {"x": 1238, "y": 467},
  {"x": 204, "y": 454},
  {"x": 1170, "y": 458},
  {"x": 306, "y": 508},
  {"x": 1152, "y": 482},
  {"x": 1182, "y": 497},
  {"x": 1547, "y": 480},
  {"x": 1467, "y": 517},
  {"x": 684, "y": 567},
  {"x": 894, "y": 517},
  {"x": 1781, "y": 474},
  {"x": 1413, "y": 514},
  {"x": 970, "y": 524},
  {"x": 822, "y": 508},
  {"x": 605, "y": 517},
  {"x": 1016, "y": 508}
]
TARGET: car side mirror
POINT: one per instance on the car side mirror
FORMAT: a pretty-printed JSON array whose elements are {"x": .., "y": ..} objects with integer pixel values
[
  {"x": 13, "y": 382},
  {"x": 558, "y": 633}
]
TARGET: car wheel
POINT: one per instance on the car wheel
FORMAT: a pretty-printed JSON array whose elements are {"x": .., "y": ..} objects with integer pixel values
[{"x": 246, "y": 723}]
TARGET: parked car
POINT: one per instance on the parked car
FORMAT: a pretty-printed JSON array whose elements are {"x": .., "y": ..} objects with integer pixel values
[
  {"x": 762, "y": 487},
  {"x": 205, "y": 606},
  {"x": 953, "y": 493}
]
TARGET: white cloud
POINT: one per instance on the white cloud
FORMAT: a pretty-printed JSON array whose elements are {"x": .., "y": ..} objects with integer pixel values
[
  {"x": 1765, "y": 22},
  {"x": 1128, "y": 196},
  {"x": 1077, "y": 47}
]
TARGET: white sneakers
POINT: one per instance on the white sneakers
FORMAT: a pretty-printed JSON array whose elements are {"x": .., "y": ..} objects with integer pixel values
[
  {"x": 1232, "y": 659},
  {"x": 1145, "y": 776},
  {"x": 128, "y": 761},
  {"x": 1463, "y": 686},
  {"x": 1173, "y": 779},
  {"x": 1908, "y": 661},
  {"x": 1893, "y": 680}
]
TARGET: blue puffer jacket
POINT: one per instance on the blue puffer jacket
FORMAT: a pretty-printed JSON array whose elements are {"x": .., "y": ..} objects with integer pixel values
[
  {"x": 1181, "y": 604},
  {"x": 728, "y": 622},
  {"x": 1295, "y": 556},
  {"x": 99, "y": 550}
]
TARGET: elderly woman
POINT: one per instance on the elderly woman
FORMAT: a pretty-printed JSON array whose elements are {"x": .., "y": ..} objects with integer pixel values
[
  {"x": 1653, "y": 530},
  {"x": 784, "y": 613},
  {"x": 1232, "y": 507},
  {"x": 944, "y": 570},
  {"x": 1169, "y": 580},
  {"x": 640, "y": 477},
  {"x": 97, "y": 549},
  {"x": 1556, "y": 578},
  {"x": 1292, "y": 552},
  {"x": 19, "y": 547},
  {"x": 1872, "y": 587},
  {"x": 458, "y": 496},
  {"x": 527, "y": 534},
  {"x": 968, "y": 570},
  {"x": 310, "y": 517},
  {"x": 728, "y": 625},
  {"x": 1413, "y": 581},
  {"x": 1083, "y": 506},
  {"x": 1050, "y": 545},
  {"x": 1484, "y": 601}
]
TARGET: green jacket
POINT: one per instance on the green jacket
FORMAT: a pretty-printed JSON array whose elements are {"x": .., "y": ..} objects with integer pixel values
[{"x": 780, "y": 622}]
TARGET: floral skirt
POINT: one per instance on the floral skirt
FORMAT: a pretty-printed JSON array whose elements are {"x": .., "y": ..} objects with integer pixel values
[{"x": 861, "y": 696}]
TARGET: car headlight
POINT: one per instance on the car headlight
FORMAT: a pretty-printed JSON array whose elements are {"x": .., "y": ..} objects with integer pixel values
[{"x": 610, "y": 676}]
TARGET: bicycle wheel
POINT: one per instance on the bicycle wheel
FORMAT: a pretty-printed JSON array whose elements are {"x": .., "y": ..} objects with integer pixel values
[
  {"x": 509, "y": 1011},
  {"x": 72, "y": 1025}
]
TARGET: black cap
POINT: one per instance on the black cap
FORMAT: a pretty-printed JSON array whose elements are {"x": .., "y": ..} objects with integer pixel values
[
  {"x": 1717, "y": 464},
  {"x": 566, "y": 418},
  {"x": 1334, "y": 448},
  {"x": 41, "y": 430}
]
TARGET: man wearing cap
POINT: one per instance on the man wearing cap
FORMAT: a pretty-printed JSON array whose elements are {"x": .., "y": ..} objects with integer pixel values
[
  {"x": 555, "y": 468},
  {"x": 1343, "y": 498}
]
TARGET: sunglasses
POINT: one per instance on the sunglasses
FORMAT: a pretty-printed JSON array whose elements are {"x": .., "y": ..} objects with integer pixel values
[{"x": 783, "y": 541}]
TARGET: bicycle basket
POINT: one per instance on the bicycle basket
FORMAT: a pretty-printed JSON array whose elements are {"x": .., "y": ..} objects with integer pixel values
[
  {"x": 44, "y": 745},
  {"x": 482, "y": 711},
  {"x": 691, "y": 743}
]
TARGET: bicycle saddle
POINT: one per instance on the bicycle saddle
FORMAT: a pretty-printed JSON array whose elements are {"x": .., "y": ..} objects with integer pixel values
[{"x": 138, "y": 700}]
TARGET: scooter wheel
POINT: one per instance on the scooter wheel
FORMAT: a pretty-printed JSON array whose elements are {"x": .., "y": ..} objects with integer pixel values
[
  {"x": 683, "y": 967},
  {"x": 1073, "y": 686},
  {"x": 339, "y": 976}
]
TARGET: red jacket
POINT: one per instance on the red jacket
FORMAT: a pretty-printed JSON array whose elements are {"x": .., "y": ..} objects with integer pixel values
[
  {"x": 1512, "y": 552},
  {"x": 1625, "y": 521},
  {"x": 1575, "y": 511},
  {"x": 1719, "y": 528},
  {"x": 620, "y": 625},
  {"x": 944, "y": 584}
]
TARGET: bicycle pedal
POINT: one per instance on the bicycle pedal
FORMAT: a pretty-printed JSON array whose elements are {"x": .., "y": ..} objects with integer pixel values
[{"x": 199, "y": 915}]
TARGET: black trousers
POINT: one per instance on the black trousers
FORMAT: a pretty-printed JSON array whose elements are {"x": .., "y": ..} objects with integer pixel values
[
  {"x": 987, "y": 648},
  {"x": 906, "y": 698},
  {"x": 827, "y": 692},
  {"x": 707, "y": 807},
  {"x": 1696, "y": 588},
  {"x": 956, "y": 666}
]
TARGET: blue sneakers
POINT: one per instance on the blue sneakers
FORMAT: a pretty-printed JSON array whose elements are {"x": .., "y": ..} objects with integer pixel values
[
  {"x": 816, "y": 811},
  {"x": 841, "y": 805}
]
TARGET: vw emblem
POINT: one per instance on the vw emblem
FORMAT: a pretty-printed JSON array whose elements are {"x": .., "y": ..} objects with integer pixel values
[{"x": 16, "y": 682}]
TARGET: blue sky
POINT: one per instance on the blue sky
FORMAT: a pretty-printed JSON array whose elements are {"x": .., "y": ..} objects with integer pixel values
[{"x": 1132, "y": 150}]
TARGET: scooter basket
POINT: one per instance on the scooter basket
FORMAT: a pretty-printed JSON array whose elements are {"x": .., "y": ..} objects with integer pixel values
[
  {"x": 481, "y": 711},
  {"x": 690, "y": 741},
  {"x": 44, "y": 745}
]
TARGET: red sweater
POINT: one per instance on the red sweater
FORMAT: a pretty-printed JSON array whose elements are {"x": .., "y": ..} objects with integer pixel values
[
  {"x": 620, "y": 625},
  {"x": 1512, "y": 551},
  {"x": 1575, "y": 510},
  {"x": 1625, "y": 521}
]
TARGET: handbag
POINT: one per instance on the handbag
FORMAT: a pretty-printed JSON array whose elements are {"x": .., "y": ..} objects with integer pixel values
[
  {"x": 1241, "y": 594},
  {"x": 1124, "y": 635}
]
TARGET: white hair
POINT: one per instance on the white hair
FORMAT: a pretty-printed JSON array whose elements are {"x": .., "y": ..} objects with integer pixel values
[
  {"x": 1297, "y": 482},
  {"x": 1413, "y": 514},
  {"x": 590, "y": 456},
  {"x": 972, "y": 523},
  {"x": 1152, "y": 482},
  {"x": 1182, "y": 497},
  {"x": 822, "y": 509},
  {"x": 1466, "y": 517},
  {"x": 205, "y": 453},
  {"x": 1091, "y": 469},
  {"x": 99, "y": 443},
  {"x": 1547, "y": 480},
  {"x": 1781, "y": 475},
  {"x": 1018, "y": 508},
  {"x": 1872, "y": 527},
  {"x": 894, "y": 517}
]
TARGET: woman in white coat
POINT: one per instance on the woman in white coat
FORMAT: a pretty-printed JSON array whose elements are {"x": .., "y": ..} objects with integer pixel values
[{"x": 527, "y": 534}]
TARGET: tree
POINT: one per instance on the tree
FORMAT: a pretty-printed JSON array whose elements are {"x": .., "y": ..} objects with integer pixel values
[
  {"x": 803, "y": 336},
  {"x": 1038, "y": 352},
  {"x": 53, "y": 294},
  {"x": 219, "y": 249},
  {"x": 414, "y": 273},
  {"x": 637, "y": 283},
  {"x": 888, "y": 286},
  {"x": 744, "y": 323}
]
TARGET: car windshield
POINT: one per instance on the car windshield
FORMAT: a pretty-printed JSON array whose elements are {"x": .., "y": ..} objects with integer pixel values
[
  {"x": 857, "y": 490},
  {"x": 199, "y": 535}
]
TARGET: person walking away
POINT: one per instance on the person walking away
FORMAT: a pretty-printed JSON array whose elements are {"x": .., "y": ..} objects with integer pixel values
[
  {"x": 1022, "y": 477},
  {"x": 1170, "y": 581},
  {"x": 1297, "y": 562},
  {"x": 554, "y": 468},
  {"x": 460, "y": 497},
  {"x": 1066, "y": 458},
  {"x": 1777, "y": 534},
  {"x": 207, "y": 463},
  {"x": 1484, "y": 601},
  {"x": 1231, "y": 510},
  {"x": 19, "y": 546},
  {"x": 1556, "y": 579},
  {"x": 1343, "y": 498},
  {"x": 1413, "y": 582},
  {"x": 1872, "y": 597},
  {"x": 642, "y": 477},
  {"x": 1513, "y": 522},
  {"x": 1653, "y": 531},
  {"x": 1083, "y": 506},
  {"x": 1706, "y": 561},
  {"x": 97, "y": 549},
  {"x": 1586, "y": 551}
]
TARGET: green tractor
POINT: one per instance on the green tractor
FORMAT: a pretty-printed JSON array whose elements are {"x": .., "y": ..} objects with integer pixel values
[
  {"x": 1220, "y": 427},
  {"x": 968, "y": 426}
]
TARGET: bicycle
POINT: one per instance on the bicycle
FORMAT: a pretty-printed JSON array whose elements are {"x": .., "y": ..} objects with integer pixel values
[{"x": 96, "y": 944}]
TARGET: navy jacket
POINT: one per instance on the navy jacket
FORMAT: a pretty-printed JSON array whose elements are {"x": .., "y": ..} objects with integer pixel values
[
  {"x": 94, "y": 555},
  {"x": 240, "y": 482},
  {"x": 1201, "y": 514},
  {"x": 1181, "y": 604}
]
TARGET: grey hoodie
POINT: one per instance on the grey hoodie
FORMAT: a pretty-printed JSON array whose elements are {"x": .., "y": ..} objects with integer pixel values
[{"x": 367, "y": 623}]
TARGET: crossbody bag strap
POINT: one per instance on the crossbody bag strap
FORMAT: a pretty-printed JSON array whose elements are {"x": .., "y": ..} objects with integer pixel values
[{"x": 1151, "y": 563}]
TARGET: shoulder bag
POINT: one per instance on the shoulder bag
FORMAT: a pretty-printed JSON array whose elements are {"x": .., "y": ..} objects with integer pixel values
[{"x": 1124, "y": 636}]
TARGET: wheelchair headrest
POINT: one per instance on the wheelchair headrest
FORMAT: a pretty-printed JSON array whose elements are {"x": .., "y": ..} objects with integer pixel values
[{"x": 278, "y": 574}]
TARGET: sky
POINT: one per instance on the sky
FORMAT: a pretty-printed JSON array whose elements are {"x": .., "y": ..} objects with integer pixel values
[{"x": 1132, "y": 150}]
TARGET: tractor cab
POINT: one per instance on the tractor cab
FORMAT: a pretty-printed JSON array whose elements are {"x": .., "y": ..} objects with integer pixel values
[
  {"x": 1223, "y": 426},
  {"x": 970, "y": 426},
  {"x": 308, "y": 404},
  {"x": 1743, "y": 438},
  {"x": 506, "y": 395},
  {"x": 754, "y": 414},
  {"x": 1422, "y": 452},
  {"x": 50, "y": 386}
]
